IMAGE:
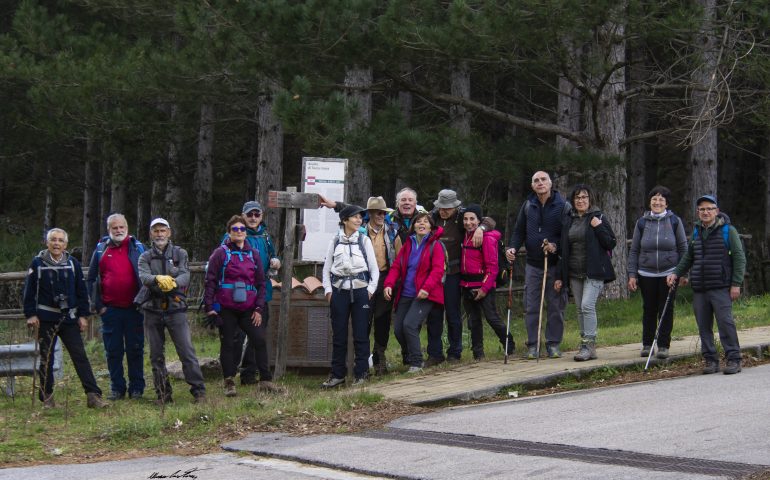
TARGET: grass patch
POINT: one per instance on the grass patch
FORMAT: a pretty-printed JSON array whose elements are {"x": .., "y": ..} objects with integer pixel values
[{"x": 73, "y": 433}]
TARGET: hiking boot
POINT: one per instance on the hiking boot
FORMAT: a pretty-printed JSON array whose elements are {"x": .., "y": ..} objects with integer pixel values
[
  {"x": 113, "y": 396},
  {"x": 414, "y": 369},
  {"x": 270, "y": 387},
  {"x": 135, "y": 395},
  {"x": 645, "y": 352},
  {"x": 359, "y": 382},
  {"x": 732, "y": 367},
  {"x": 479, "y": 358},
  {"x": 167, "y": 400},
  {"x": 553, "y": 351},
  {"x": 712, "y": 366},
  {"x": 199, "y": 397},
  {"x": 433, "y": 361},
  {"x": 453, "y": 359},
  {"x": 248, "y": 380},
  {"x": 583, "y": 354},
  {"x": 332, "y": 382},
  {"x": 230, "y": 387},
  {"x": 531, "y": 353},
  {"x": 48, "y": 402},
  {"x": 94, "y": 400},
  {"x": 381, "y": 368},
  {"x": 662, "y": 353}
]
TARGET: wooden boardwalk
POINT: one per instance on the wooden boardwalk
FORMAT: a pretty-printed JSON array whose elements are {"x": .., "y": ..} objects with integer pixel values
[{"x": 484, "y": 379}]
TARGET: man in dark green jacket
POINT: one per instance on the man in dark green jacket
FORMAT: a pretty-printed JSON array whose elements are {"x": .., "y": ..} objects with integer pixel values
[{"x": 716, "y": 262}]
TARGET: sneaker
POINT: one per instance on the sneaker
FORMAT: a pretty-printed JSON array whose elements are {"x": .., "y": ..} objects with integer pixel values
[
  {"x": 662, "y": 353},
  {"x": 433, "y": 361},
  {"x": 712, "y": 366},
  {"x": 359, "y": 382},
  {"x": 49, "y": 402},
  {"x": 135, "y": 395},
  {"x": 270, "y": 387},
  {"x": 230, "y": 387},
  {"x": 94, "y": 400},
  {"x": 732, "y": 367},
  {"x": 553, "y": 351},
  {"x": 645, "y": 351},
  {"x": 531, "y": 353},
  {"x": 113, "y": 396},
  {"x": 414, "y": 369},
  {"x": 333, "y": 382}
]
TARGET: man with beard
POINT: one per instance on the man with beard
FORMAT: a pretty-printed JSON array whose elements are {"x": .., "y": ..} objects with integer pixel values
[
  {"x": 113, "y": 282},
  {"x": 165, "y": 277}
]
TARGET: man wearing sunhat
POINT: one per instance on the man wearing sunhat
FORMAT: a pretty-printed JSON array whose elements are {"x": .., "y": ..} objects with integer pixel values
[
  {"x": 379, "y": 314},
  {"x": 165, "y": 277},
  {"x": 447, "y": 214},
  {"x": 716, "y": 262}
]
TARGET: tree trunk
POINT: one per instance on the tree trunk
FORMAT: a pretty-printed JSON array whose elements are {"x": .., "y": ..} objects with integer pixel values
[
  {"x": 49, "y": 216},
  {"x": 703, "y": 134},
  {"x": 142, "y": 222},
  {"x": 203, "y": 183},
  {"x": 90, "y": 202},
  {"x": 269, "y": 164},
  {"x": 607, "y": 126},
  {"x": 767, "y": 189},
  {"x": 406, "y": 105},
  {"x": 637, "y": 151},
  {"x": 158, "y": 193},
  {"x": 460, "y": 86},
  {"x": 174, "y": 179},
  {"x": 358, "y": 81},
  {"x": 118, "y": 184},
  {"x": 104, "y": 196}
]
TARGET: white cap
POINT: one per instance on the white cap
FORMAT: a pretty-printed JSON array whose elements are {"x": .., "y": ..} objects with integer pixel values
[{"x": 161, "y": 221}]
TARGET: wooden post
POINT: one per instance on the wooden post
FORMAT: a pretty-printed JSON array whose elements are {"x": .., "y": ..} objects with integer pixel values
[{"x": 291, "y": 200}]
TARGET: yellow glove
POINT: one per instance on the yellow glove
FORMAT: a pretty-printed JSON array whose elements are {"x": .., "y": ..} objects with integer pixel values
[{"x": 165, "y": 282}]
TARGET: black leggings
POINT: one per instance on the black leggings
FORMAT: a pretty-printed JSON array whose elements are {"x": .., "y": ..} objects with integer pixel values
[{"x": 231, "y": 320}]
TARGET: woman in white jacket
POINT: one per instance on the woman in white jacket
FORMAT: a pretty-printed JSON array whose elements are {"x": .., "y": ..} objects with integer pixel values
[{"x": 350, "y": 278}]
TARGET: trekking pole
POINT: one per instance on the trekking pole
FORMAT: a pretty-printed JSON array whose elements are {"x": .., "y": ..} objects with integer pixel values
[
  {"x": 34, "y": 362},
  {"x": 542, "y": 298},
  {"x": 660, "y": 320},
  {"x": 510, "y": 302}
]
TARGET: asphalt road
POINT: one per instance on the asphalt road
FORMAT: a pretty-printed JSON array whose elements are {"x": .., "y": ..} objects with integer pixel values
[{"x": 711, "y": 426}]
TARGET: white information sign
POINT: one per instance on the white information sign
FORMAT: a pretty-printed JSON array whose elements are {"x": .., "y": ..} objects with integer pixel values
[{"x": 325, "y": 176}]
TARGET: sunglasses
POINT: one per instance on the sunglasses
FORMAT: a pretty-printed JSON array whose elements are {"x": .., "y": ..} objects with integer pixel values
[
  {"x": 254, "y": 214},
  {"x": 238, "y": 229}
]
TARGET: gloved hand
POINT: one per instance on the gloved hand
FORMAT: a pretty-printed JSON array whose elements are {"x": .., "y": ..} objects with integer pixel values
[{"x": 165, "y": 282}]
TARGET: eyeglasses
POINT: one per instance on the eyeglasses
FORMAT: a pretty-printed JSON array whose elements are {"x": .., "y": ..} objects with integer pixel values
[
  {"x": 581, "y": 197},
  {"x": 376, "y": 212},
  {"x": 706, "y": 209},
  {"x": 540, "y": 180},
  {"x": 238, "y": 229},
  {"x": 254, "y": 214}
]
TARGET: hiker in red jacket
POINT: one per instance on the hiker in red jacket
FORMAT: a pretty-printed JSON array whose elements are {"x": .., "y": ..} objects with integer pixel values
[{"x": 419, "y": 269}]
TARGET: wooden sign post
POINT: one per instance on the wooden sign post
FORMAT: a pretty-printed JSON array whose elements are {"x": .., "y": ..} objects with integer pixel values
[{"x": 291, "y": 200}]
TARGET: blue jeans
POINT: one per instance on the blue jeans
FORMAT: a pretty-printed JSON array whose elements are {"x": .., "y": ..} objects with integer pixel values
[
  {"x": 586, "y": 291},
  {"x": 454, "y": 322},
  {"x": 123, "y": 333},
  {"x": 354, "y": 310}
]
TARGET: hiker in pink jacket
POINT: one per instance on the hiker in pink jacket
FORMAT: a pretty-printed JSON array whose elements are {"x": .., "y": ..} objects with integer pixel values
[{"x": 478, "y": 272}]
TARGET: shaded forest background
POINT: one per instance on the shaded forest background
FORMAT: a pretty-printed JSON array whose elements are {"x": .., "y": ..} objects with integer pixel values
[{"x": 185, "y": 109}]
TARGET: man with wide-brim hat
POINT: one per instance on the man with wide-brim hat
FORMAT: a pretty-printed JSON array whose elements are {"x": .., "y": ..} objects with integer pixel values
[
  {"x": 448, "y": 214},
  {"x": 378, "y": 232}
]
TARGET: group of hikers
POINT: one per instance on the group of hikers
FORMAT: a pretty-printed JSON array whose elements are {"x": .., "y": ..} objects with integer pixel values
[{"x": 422, "y": 266}]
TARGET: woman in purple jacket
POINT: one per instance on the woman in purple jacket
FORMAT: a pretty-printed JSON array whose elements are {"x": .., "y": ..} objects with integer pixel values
[{"x": 235, "y": 294}]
